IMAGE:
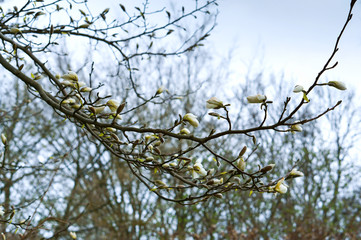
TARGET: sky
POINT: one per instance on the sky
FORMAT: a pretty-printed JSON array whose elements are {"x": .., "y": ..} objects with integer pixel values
[
  {"x": 283, "y": 36},
  {"x": 293, "y": 37}
]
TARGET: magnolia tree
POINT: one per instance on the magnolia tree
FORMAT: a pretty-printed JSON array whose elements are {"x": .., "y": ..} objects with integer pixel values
[{"x": 175, "y": 161}]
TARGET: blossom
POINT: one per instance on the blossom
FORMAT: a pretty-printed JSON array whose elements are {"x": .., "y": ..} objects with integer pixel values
[
  {"x": 214, "y": 103},
  {"x": 72, "y": 76},
  {"x": 281, "y": 187},
  {"x": 184, "y": 131},
  {"x": 113, "y": 105},
  {"x": 3, "y": 139},
  {"x": 192, "y": 119},
  {"x": 198, "y": 170},
  {"x": 72, "y": 235},
  {"x": 256, "y": 98},
  {"x": 337, "y": 84},
  {"x": 298, "y": 88}
]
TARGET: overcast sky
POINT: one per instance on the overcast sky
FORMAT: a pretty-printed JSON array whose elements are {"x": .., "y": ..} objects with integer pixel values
[{"x": 295, "y": 37}]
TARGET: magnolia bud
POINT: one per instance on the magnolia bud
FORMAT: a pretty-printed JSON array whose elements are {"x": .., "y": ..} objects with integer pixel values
[
  {"x": 85, "y": 89},
  {"x": 296, "y": 128},
  {"x": 3, "y": 139},
  {"x": 165, "y": 165},
  {"x": 243, "y": 151},
  {"x": 184, "y": 131},
  {"x": 97, "y": 110},
  {"x": 214, "y": 103},
  {"x": 256, "y": 98},
  {"x": 218, "y": 195},
  {"x": 267, "y": 168},
  {"x": 72, "y": 235},
  {"x": 160, "y": 183},
  {"x": 337, "y": 84},
  {"x": 72, "y": 76},
  {"x": 298, "y": 88},
  {"x": 281, "y": 187},
  {"x": 113, "y": 105},
  {"x": 241, "y": 164},
  {"x": 192, "y": 119},
  {"x": 159, "y": 90},
  {"x": 295, "y": 173}
]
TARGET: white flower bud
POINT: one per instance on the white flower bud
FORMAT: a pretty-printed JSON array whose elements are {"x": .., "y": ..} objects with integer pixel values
[
  {"x": 218, "y": 181},
  {"x": 241, "y": 164},
  {"x": 295, "y": 173},
  {"x": 3, "y": 139},
  {"x": 113, "y": 105},
  {"x": 337, "y": 84},
  {"x": 110, "y": 129},
  {"x": 159, "y": 90},
  {"x": 296, "y": 128},
  {"x": 2, "y": 211},
  {"x": 85, "y": 89},
  {"x": 78, "y": 85},
  {"x": 149, "y": 159},
  {"x": 198, "y": 167},
  {"x": 67, "y": 83},
  {"x": 256, "y": 98},
  {"x": 97, "y": 110},
  {"x": 72, "y": 235},
  {"x": 69, "y": 101},
  {"x": 298, "y": 88},
  {"x": 192, "y": 119},
  {"x": 185, "y": 131},
  {"x": 72, "y": 76},
  {"x": 214, "y": 103},
  {"x": 281, "y": 187}
]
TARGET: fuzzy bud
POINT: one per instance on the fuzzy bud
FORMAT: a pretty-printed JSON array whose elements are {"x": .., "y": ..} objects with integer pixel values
[
  {"x": 214, "y": 103},
  {"x": 3, "y": 139},
  {"x": 337, "y": 84},
  {"x": 267, "y": 168},
  {"x": 256, "y": 98},
  {"x": 192, "y": 119}
]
